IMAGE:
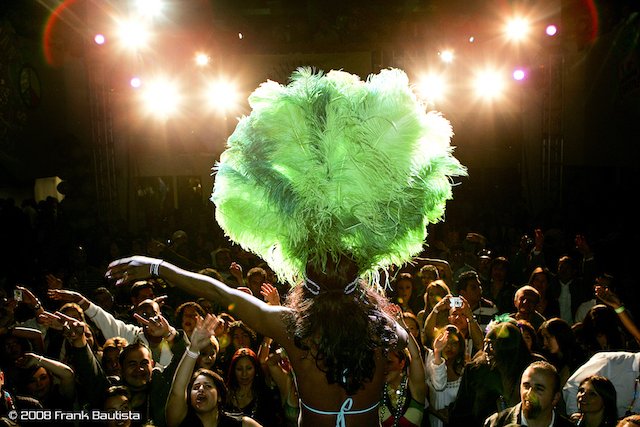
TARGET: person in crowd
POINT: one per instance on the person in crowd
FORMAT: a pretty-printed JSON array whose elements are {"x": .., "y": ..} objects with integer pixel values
[
  {"x": 141, "y": 290},
  {"x": 619, "y": 367},
  {"x": 118, "y": 400},
  {"x": 255, "y": 278},
  {"x": 500, "y": 291},
  {"x": 403, "y": 293},
  {"x": 470, "y": 288},
  {"x": 51, "y": 382},
  {"x": 569, "y": 289},
  {"x": 110, "y": 361},
  {"x": 548, "y": 306},
  {"x": 248, "y": 392},
  {"x": 415, "y": 330},
  {"x": 433, "y": 294},
  {"x": 610, "y": 298},
  {"x": 404, "y": 388},
  {"x": 186, "y": 315},
  {"x": 196, "y": 399},
  {"x": 596, "y": 403},
  {"x": 490, "y": 382},
  {"x": 600, "y": 331},
  {"x": 526, "y": 301},
  {"x": 539, "y": 395},
  {"x": 444, "y": 366},
  {"x": 560, "y": 347},
  {"x": 529, "y": 334},
  {"x": 10, "y": 401},
  {"x": 461, "y": 316}
]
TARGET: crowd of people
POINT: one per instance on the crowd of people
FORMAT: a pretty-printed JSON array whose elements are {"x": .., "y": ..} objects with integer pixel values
[{"x": 496, "y": 336}]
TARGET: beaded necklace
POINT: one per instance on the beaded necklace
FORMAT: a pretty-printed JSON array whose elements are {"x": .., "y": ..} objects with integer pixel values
[{"x": 401, "y": 392}]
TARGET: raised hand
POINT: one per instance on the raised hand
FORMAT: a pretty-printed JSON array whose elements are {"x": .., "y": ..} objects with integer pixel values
[
  {"x": 204, "y": 330},
  {"x": 270, "y": 294},
  {"x": 65, "y": 295},
  {"x": 156, "y": 326}
]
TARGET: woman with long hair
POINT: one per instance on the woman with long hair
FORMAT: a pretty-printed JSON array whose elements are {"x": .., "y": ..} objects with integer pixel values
[
  {"x": 248, "y": 391},
  {"x": 596, "y": 403},
  {"x": 433, "y": 294},
  {"x": 403, "y": 398},
  {"x": 600, "y": 330},
  {"x": 560, "y": 347},
  {"x": 445, "y": 365},
  {"x": 195, "y": 399}
]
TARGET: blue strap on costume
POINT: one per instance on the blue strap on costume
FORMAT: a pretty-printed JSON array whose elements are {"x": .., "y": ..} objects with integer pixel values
[{"x": 345, "y": 409}]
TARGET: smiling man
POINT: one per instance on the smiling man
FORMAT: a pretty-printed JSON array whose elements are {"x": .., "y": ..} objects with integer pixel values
[{"x": 539, "y": 395}]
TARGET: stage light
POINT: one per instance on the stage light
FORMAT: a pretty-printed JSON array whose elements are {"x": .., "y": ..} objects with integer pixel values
[
  {"x": 446, "y": 56},
  {"x": 432, "y": 87},
  {"x": 133, "y": 33},
  {"x": 517, "y": 29},
  {"x": 161, "y": 98},
  {"x": 99, "y": 39},
  {"x": 222, "y": 95},
  {"x": 519, "y": 75},
  {"x": 149, "y": 7},
  {"x": 551, "y": 30},
  {"x": 202, "y": 59},
  {"x": 136, "y": 82},
  {"x": 489, "y": 84}
]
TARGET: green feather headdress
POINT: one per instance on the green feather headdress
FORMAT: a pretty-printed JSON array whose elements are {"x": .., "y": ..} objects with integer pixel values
[{"x": 331, "y": 165}]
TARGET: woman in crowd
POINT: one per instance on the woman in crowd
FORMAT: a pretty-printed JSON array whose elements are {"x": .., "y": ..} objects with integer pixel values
[
  {"x": 434, "y": 293},
  {"x": 404, "y": 388},
  {"x": 195, "y": 400},
  {"x": 118, "y": 400},
  {"x": 600, "y": 331},
  {"x": 560, "y": 347},
  {"x": 596, "y": 403},
  {"x": 445, "y": 365},
  {"x": 548, "y": 306},
  {"x": 404, "y": 294},
  {"x": 51, "y": 382},
  {"x": 248, "y": 391},
  {"x": 281, "y": 374}
]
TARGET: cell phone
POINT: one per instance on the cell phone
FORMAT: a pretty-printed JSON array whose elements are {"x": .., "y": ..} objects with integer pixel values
[
  {"x": 455, "y": 302},
  {"x": 17, "y": 295}
]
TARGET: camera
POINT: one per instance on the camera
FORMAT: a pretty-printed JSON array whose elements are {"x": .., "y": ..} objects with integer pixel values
[
  {"x": 17, "y": 295},
  {"x": 455, "y": 302}
]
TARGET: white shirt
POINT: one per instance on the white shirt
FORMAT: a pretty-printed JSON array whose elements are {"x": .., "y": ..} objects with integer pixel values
[{"x": 620, "y": 367}]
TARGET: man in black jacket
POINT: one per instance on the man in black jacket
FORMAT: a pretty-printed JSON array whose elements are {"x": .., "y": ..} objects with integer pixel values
[{"x": 539, "y": 393}]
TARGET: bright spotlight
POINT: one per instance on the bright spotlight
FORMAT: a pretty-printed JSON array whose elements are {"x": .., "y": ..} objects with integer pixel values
[
  {"x": 133, "y": 33},
  {"x": 99, "y": 39},
  {"x": 150, "y": 7},
  {"x": 432, "y": 87},
  {"x": 446, "y": 56},
  {"x": 517, "y": 29},
  {"x": 136, "y": 82},
  {"x": 222, "y": 95},
  {"x": 202, "y": 59},
  {"x": 551, "y": 30},
  {"x": 519, "y": 75},
  {"x": 161, "y": 98},
  {"x": 489, "y": 84}
]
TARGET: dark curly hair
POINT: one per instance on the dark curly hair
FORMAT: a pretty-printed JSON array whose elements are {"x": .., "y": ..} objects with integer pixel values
[{"x": 332, "y": 319}]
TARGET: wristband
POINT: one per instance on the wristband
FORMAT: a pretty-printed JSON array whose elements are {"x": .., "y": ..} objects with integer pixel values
[
  {"x": 154, "y": 268},
  {"x": 619, "y": 309},
  {"x": 191, "y": 354}
]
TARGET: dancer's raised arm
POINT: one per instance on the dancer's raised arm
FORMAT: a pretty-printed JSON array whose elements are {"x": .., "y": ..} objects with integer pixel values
[{"x": 262, "y": 317}]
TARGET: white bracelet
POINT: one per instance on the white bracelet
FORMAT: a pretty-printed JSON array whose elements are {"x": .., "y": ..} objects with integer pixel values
[
  {"x": 191, "y": 354},
  {"x": 154, "y": 268}
]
